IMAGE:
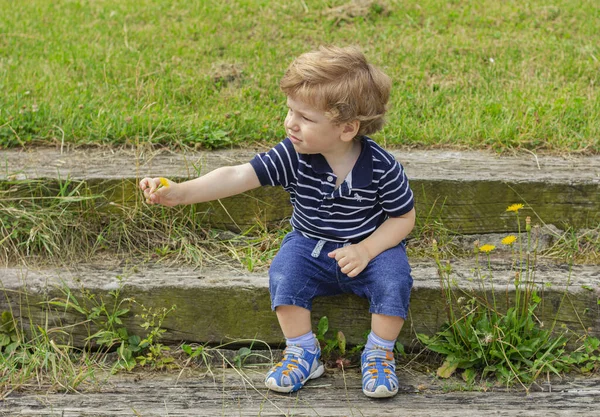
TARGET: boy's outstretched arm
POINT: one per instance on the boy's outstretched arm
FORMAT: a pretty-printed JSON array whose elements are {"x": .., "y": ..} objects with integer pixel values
[
  {"x": 352, "y": 259},
  {"x": 220, "y": 183}
]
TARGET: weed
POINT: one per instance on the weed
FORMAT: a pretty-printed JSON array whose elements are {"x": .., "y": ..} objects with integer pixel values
[
  {"x": 112, "y": 333},
  {"x": 72, "y": 221},
  {"x": 256, "y": 246},
  {"x": 9, "y": 338},
  {"x": 583, "y": 246},
  {"x": 155, "y": 351},
  {"x": 334, "y": 349},
  {"x": 207, "y": 355},
  {"x": 37, "y": 358},
  {"x": 201, "y": 353},
  {"x": 480, "y": 339}
]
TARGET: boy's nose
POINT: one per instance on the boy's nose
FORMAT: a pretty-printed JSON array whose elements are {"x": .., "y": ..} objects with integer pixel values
[{"x": 291, "y": 124}]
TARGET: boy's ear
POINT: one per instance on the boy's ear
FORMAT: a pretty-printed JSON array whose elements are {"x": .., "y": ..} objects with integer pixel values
[{"x": 350, "y": 130}]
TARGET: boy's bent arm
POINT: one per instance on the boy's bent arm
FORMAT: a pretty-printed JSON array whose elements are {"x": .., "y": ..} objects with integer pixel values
[
  {"x": 353, "y": 259},
  {"x": 391, "y": 232}
]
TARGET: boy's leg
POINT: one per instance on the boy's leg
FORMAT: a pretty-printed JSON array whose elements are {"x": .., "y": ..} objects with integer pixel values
[
  {"x": 293, "y": 320},
  {"x": 377, "y": 361},
  {"x": 297, "y": 276},
  {"x": 302, "y": 356},
  {"x": 386, "y": 282},
  {"x": 386, "y": 327}
]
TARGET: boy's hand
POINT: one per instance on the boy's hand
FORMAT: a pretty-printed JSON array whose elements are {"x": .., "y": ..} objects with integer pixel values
[
  {"x": 159, "y": 191},
  {"x": 352, "y": 259}
]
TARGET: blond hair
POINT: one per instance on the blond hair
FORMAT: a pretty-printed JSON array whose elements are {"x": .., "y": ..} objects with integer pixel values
[{"x": 342, "y": 83}]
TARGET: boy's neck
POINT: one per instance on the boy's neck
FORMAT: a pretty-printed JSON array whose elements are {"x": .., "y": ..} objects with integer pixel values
[{"x": 343, "y": 159}]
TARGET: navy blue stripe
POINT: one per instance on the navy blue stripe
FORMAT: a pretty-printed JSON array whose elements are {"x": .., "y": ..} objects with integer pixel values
[{"x": 381, "y": 190}]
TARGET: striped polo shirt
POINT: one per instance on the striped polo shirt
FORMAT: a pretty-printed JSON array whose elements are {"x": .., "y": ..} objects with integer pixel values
[{"x": 375, "y": 189}]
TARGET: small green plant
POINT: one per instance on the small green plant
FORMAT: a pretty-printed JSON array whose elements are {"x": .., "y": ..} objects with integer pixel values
[
  {"x": 9, "y": 337},
  {"x": 256, "y": 246},
  {"x": 483, "y": 338},
  {"x": 335, "y": 349},
  {"x": 37, "y": 358},
  {"x": 106, "y": 318},
  {"x": 155, "y": 352},
  {"x": 331, "y": 345},
  {"x": 201, "y": 353},
  {"x": 111, "y": 333},
  {"x": 586, "y": 358}
]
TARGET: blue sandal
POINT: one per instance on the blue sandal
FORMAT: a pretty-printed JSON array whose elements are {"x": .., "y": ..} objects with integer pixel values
[
  {"x": 379, "y": 378},
  {"x": 297, "y": 366}
]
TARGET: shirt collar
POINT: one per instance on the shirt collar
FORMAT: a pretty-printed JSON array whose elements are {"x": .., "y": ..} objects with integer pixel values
[
  {"x": 319, "y": 163},
  {"x": 362, "y": 173}
]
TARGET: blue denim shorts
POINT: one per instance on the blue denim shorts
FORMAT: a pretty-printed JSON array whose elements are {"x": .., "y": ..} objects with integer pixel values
[{"x": 302, "y": 271}]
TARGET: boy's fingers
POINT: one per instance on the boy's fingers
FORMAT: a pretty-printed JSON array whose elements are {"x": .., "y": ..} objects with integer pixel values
[{"x": 353, "y": 273}]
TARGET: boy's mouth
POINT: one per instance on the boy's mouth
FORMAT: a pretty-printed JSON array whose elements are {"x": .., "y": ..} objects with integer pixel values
[{"x": 294, "y": 139}]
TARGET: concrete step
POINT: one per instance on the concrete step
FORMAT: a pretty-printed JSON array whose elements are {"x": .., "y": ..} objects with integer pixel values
[
  {"x": 467, "y": 191},
  {"x": 219, "y": 305}
]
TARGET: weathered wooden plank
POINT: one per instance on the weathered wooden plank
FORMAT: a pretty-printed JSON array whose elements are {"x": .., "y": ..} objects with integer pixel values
[
  {"x": 467, "y": 191},
  {"x": 232, "y": 393},
  {"x": 461, "y": 206},
  {"x": 103, "y": 163},
  {"x": 217, "y": 305},
  {"x": 480, "y": 206}
]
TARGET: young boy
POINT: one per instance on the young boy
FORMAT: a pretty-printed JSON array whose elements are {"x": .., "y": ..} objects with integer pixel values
[{"x": 352, "y": 209}]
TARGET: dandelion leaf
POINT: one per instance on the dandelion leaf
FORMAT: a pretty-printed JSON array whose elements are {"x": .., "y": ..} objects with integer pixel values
[{"x": 447, "y": 369}]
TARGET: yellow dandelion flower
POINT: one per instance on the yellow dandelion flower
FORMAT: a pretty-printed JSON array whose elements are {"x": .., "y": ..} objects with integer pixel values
[
  {"x": 515, "y": 207},
  {"x": 164, "y": 182},
  {"x": 509, "y": 240},
  {"x": 487, "y": 248}
]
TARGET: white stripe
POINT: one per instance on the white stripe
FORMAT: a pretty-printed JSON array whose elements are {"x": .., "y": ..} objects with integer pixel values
[
  {"x": 274, "y": 167},
  {"x": 324, "y": 237},
  {"x": 388, "y": 202},
  {"x": 267, "y": 169},
  {"x": 395, "y": 168},
  {"x": 386, "y": 156},
  {"x": 315, "y": 179},
  {"x": 291, "y": 165},
  {"x": 282, "y": 165},
  {"x": 401, "y": 186},
  {"x": 332, "y": 238},
  {"x": 364, "y": 190},
  {"x": 308, "y": 197},
  {"x": 366, "y": 222},
  {"x": 312, "y": 188},
  {"x": 340, "y": 213}
]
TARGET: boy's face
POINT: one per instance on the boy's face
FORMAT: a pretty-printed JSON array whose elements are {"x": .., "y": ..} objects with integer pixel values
[{"x": 310, "y": 130}]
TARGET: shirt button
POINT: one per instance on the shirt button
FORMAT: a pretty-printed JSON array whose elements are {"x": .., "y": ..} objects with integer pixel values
[{"x": 330, "y": 178}]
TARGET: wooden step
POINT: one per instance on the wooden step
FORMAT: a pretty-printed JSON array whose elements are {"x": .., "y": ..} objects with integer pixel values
[
  {"x": 467, "y": 191},
  {"x": 233, "y": 392},
  {"x": 223, "y": 305}
]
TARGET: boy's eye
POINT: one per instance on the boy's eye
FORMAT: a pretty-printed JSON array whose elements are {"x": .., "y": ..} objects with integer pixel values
[{"x": 307, "y": 119}]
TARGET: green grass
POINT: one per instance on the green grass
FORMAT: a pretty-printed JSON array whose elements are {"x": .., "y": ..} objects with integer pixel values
[
  {"x": 505, "y": 75},
  {"x": 71, "y": 222}
]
